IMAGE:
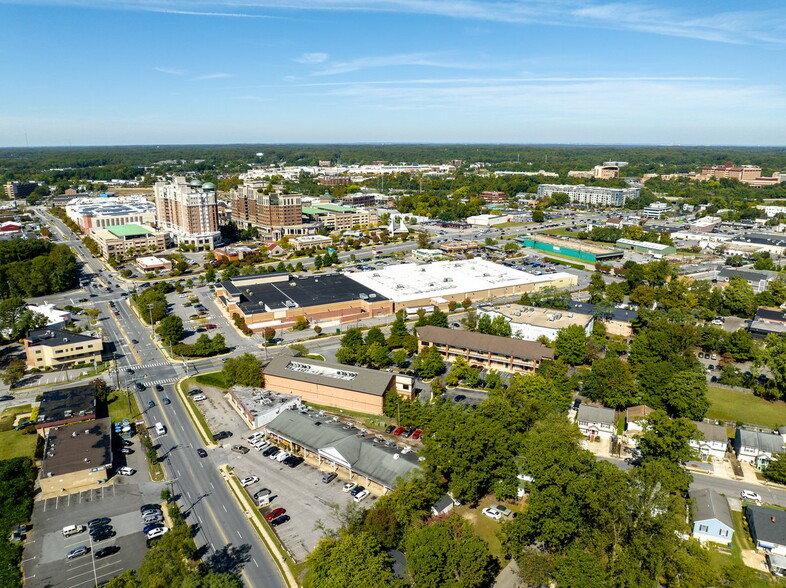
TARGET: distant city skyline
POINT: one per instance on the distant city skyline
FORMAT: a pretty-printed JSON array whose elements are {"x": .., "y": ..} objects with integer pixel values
[{"x": 138, "y": 72}]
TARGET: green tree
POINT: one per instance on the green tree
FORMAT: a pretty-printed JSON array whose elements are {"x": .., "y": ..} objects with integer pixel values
[
  {"x": 378, "y": 355},
  {"x": 643, "y": 295},
  {"x": 615, "y": 293},
  {"x": 400, "y": 357},
  {"x": 776, "y": 469},
  {"x": 500, "y": 327},
  {"x": 447, "y": 553},
  {"x": 686, "y": 395},
  {"x": 429, "y": 363},
  {"x": 354, "y": 560},
  {"x": 14, "y": 372},
  {"x": 612, "y": 383},
  {"x": 170, "y": 329},
  {"x": 245, "y": 370},
  {"x": 775, "y": 358},
  {"x": 538, "y": 216},
  {"x": 668, "y": 439},
  {"x": 739, "y": 298},
  {"x": 596, "y": 288},
  {"x": 571, "y": 344},
  {"x": 374, "y": 335}
]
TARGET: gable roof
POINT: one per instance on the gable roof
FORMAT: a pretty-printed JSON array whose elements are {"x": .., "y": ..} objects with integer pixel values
[
  {"x": 596, "y": 414},
  {"x": 712, "y": 432},
  {"x": 443, "y": 503},
  {"x": 711, "y": 505},
  {"x": 639, "y": 412},
  {"x": 766, "y": 442},
  {"x": 766, "y": 524},
  {"x": 482, "y": 342}
]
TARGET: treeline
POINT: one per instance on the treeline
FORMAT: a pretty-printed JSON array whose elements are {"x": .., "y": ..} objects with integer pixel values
[
  {"x": 16, "y": 507},
  {"x": 31, "y": 268},
  {"x": 151, "y": 302}
]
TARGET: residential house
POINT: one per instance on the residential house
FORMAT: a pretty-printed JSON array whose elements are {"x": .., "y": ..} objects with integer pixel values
[
  {"x": 596, "y": 421},
  {"x": 714, "y": 442},
  {"x": 711, "y": 517},
  {"x": 768, "y": 528},
  {"x": 635, "y": 418},
  {"x": 757, "y": 448}
]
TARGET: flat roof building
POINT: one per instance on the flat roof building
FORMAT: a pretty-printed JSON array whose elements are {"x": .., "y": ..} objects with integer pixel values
[
  {"x": 484, "y": 351},
  {"x": 76, "y": 457},
  {"x": 149, "y": 264},
  {"x": 55, "y": 318},
  {"x": 258, "y": 406},
  {"x": 647, "y": 247},
  {"x": 128, "y": 240},
  {"x": 334, "y": 384},
  {"x": 531, "y": 322},
  {"x": 309, "y": 241},
  {"x": 100, "y": 213},
  {"x": 66, "y": 406},
  {"x": 57, "y": 348},
  {"x": 569, "y": 248},
  {"x": 592, "y": 195}
]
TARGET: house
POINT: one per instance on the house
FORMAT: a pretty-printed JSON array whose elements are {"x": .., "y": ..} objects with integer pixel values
[
  {"x": 635, "y": 417},
  {"x": 714, "y": 443},
  {"x": 596, "y": 421},
  {"x": 711, "y": 517},
  {"x": 757, "y": 448},
  {"x": 777, "y": 564},
  {"x": 275, "y": 249},
  {"x": 442, "y": 506},
  {"x": 768, "y": 320},
  {"x": 768, "y": 528}
]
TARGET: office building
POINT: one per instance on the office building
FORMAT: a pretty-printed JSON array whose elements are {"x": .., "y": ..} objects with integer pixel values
[
  {"x": 55, "y": 348},
  {"x": 531, "y": 322},
  {"x": 66, "y": 406},
  {"x": 591, "y": 195},
  {"x": 19, "y": 190},
  {"x": 188, "y": 210},
  {"x": 100, "y": 213},
  {"x": 129, "y": 240},
  {"x": 336, "y": 217}
]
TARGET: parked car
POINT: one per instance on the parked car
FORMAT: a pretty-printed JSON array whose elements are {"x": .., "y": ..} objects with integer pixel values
[
  {"x": 98, "y": 522},
  {"x": 240, "y": 449},
  {"x": 274, "y": 451},
  {"x": 267, "y": 452},
  {"x": 126, "y": 471},
  {"x": 279, "y": 520},
  {"x": 126, "y": 450},
  {"x": 349, "y": 486},
  {"x": 146, "y": 507},
  {"x": 198, "y": 397},
  {"x": 151, "y": 526},
  {"x": 417, "y": 434},
  {"x": 201, "y": 452},
  {"x": 157, "y": 532},
  {"x": 223, "y": 435},
  {"x": 6, "y": 397},
  {"x": 248, "y": 481},
  {"x": 408, "y": 432},
  {"x": 329, "y": 477},
  {"x": 398, "y": 431},
  {"x": 280, "y": 457},
  {"x": 153, "y": 517},
  {"x": 361, "y": 495},
  {"x": 78, "y": 552},
  {"x": 492, "y": 513},
  {"x": 459, "y": 398},
  {"x": 293, "y": 461},
  {"x": 390, "y": 429},
  {"x": 106, "y": 551},
  {"x": 750, "y": 496},
  {"x": 194, "y": 392},
  {"x": 356, "y": 490},
  {"x": 102, "y": 534},
  {"x": 275, "y": 513}
]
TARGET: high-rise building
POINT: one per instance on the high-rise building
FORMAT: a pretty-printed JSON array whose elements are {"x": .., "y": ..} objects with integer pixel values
[
  {"x": 189, "y": 210},
  {"x": 593, "y": 195},
  {"x": 16, "y": 190},
  {"x": 274, "y": 214}
]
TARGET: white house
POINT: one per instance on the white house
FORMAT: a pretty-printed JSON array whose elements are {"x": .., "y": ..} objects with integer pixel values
[
  {"x": 596, "y": 421},
  {"x": 714, "y": 443},
  {"x": 757, "y": 448}
]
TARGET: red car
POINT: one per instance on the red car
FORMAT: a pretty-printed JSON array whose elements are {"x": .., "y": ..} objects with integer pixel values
[
  {"x": 398, "y": 431},
  {"x": 417, "y": 434},
  {"x": 210, "y": 326},
  {"x": 274, "y": 514}
]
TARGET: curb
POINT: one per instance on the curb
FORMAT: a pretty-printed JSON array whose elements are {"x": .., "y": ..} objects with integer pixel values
[{"x": 190, "y": 410}]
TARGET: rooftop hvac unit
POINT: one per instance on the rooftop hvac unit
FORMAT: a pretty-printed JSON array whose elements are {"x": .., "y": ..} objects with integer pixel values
[
  {"x": 372, "y": 295},
  {"x": 363, "y": 296}
]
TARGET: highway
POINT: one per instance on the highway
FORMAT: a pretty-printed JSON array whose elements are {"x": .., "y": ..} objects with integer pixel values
[{"x": 203, "y": 494}]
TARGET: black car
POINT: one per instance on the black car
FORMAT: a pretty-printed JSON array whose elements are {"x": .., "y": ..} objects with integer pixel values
[
  {"x": 100, "y": 530},
  {"x": 201, "y": 452},
  {"x": 194, "y": 392},
  {"x": 129, "y": 371},
  {"x": 221, "y": 435},
  {"x": 6, "y": 397},
  {"x": 279, "y": 520},
  {"x": 150, "y": 404},
  {"x": 134, "y": 341},
  {"x": 390, "y": 429},
  {"x": 106, "y": 533},
  {"x": 166, "y": 400},
  {"x": 140, "y": 386},
  {"x": 293, "y": 461},
  {"x": 99, "y": 522},
  {"x": 408, "y": 432},
  {"x": 106, "y": 551},
  {"x": 269, "y": 451},
  {"x": 159, "y": 387},
  {"x": 127, "y": 443},
  {"x": 459, "y": 397}
]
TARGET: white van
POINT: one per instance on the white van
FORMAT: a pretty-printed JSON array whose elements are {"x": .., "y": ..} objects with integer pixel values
[
  {"x": 72, "y": 530},
  {"x": 160, "y": 429}
]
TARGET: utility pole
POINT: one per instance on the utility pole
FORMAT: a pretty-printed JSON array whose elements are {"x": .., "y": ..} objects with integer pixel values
[{"x": 150, "y": 308}]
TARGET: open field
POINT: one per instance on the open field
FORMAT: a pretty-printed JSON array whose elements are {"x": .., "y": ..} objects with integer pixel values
[{"x": 731, "y": 405}]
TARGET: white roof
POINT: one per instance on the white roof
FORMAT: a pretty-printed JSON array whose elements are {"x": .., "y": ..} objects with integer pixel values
[
  {"x": 310, "y": 239},
  {"x": 53, "y": 315},
  {"x": 151, "y": 260},
  {"x": 646, "y": 244},
  {"x": 410, "y": 281}
]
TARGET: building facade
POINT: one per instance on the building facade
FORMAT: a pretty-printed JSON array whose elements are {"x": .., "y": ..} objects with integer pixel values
[
  {"x": 56, "y": 348},
  {"x": 576, "y": 249},
  {"x": 129, "y": 240},
  {"x": 275, "y": 214},
  {"x": 189, "y": 210},
  {"x": 591, "y": 195}
]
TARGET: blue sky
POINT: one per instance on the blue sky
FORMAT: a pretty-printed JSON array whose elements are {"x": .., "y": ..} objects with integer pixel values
[{"x": 92, "y": 72}]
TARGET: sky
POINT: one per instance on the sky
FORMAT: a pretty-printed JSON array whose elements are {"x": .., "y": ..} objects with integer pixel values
[{"x": 117, "y": 72}]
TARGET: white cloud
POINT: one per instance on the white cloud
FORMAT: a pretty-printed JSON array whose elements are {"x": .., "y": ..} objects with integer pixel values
[
  {"x": 312, "y": 58},
  {"x": 213, "y": 76},
  {"x": 412, "y": 59},
  {"x": 171, "y": 71}
]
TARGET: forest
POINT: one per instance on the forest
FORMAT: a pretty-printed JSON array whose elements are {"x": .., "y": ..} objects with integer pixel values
[{"x": 31, "y": 268}]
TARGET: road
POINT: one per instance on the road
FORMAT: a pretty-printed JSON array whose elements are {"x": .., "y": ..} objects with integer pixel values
[{"x": 203, "y": 494}]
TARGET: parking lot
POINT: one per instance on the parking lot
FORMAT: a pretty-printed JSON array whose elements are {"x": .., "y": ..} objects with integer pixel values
[{"x": 44, "y": 560}]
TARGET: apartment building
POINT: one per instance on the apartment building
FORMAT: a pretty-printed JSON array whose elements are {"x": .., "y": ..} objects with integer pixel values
[
  {"x": 336, "y": 217},
  {"x": 592, "y": 195},
  {"x": 56, "y": 348},
  {"x": 129, "y": 240},
  {"x": 100, "y": 213},
  {"x": 188, "y": 209},
  {"x": 275, "y": 215}
]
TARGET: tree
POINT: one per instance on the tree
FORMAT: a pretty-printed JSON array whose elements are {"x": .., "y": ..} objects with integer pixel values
[
  {"x": 776, "y": 469},
  {"x": 615, "y": 293},
  {"x": 171, "y": 329},
  {"x": 245, "y": 370},
  {"x": 269, "y": 333},
  {"x": 447, "y": 553},
  {"x": 538, "y": 216},
  {"x": 571, "y": 344},
  {"x": 301, "y": 323},
  {"x": 500, "y": 327},
  {"x": 14, "y": 372},
  {"x": 643, "y": 295},
  {"x": 596, "y": 288},
  {"x": 378, "y": 355},
  {"x": 612, "y": 383},
  {"x": 739, "y": 298},
  {"x": 775, "y": 358},
  {"x": 668, "y": 439},
  {"x": 400, "y": 357},
  {"x": 423, "y": 240},
  {"x": 374, "y": 335},
  {"x": 16, "y": 319},
  {"x": 354, "y": 560},
  {"x": 686, "y": 395},
  {"x": 429, "y": 363}
]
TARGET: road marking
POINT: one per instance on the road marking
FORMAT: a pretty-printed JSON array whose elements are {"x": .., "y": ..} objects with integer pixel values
[
  {"x": 255, "y": 562},
  {"x": 224, "y": 507},
  {"x": 238, "y": 533}
]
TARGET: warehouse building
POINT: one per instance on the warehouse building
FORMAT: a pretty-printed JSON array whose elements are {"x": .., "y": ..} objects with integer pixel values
[
  {"x": 646, "y": 247},
  {"x": 334, "y": 384},
  {"x": 531, "y": 322},
  {"x": 582, "y": 251}
]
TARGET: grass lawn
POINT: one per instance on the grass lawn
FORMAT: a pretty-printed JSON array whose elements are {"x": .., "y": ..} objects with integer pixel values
[
  {"x": 214, "y": 379},
  {"x": 17, "y": 444},
  {"x": 486, "y": 528},
  {"x": 731, "y": 405},
  {"x": 9, "y": 415},
  {"x": 118, "y": 408}
]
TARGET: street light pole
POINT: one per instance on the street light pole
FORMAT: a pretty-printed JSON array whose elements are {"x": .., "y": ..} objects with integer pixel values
[{"x": 150, "y": 308}]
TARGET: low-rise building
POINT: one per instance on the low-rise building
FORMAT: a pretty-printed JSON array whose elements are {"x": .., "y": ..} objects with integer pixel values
[
  {"x": 334, "y": 384},
  {"x": 128, "y": 240},
  {"x": 706, "y": 224},
  {"x": 487, "y": 220},
  {"x": 100, "y": 213},
  {"x": 570, "y": 248},
  {"x": 757, "y": 448},
  {"x": 333, "y": 446},
  {"x": 427, "y": 254},
  {"x": 443, "y": 506},
  {"x": 636, "y": 419},
  {"x": 596, "y": 421},
  {"x": 57, "y": 348},
  {"x": 335, "y": 217},
  {"x": 458, "y": 247},
  {"x": 257, "y": 406},
  {"x": 66, "y": 406},
  {"x": 768, "y": 320},
  {"x": 532, "y": 322},
  {"x": 55, "y": 318},
  {"x": 767, "y": 527},
  {"x": 713, "y": 443},
  {"x": 646, "y": 247},
  {"x": 618, "y": 321},
  {"x": 655, "y": 210},
  {"x": 151, "y": 264},
  {"x": 309, "y": 241},
  {"x": 76, "y": 457},
  {"x": 484, "y": 351},
  {"x": 711, "y": 517}
]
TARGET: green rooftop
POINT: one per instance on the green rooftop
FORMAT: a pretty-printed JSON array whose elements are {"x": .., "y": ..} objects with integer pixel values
[
  {"x": 326, "y": 208},
  {"x": 130, "y": 230}
]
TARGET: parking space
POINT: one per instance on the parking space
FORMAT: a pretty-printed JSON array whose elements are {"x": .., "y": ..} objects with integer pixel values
[{"x": 44, "y": 560}]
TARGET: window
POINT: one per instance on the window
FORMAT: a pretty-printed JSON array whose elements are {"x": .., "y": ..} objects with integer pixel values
[
  {"x": 724, "y": 533},
  {"x": 703, "y": 528}
]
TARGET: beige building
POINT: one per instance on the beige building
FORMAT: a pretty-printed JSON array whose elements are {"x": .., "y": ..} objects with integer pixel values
[
  {"x": 484, "y": 351},
  {"x": 76, "y": 457},
  {"x": 335, "y": 384},
  {"x": 309, "y": 241},
  {"x": 276, "y": 215},
  {"x": 531, "y": 322},
  {"x": 189, "y": 210},
  {"x": 128, "y": 241},
  {"x": 458, "y": 247},
  {"x": 56, "y": 348}
]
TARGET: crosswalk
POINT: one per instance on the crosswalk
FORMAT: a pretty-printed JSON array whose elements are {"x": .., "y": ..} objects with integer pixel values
[
  {"x": 164, "y": 381},
  {"x": 145, "y": 366}
]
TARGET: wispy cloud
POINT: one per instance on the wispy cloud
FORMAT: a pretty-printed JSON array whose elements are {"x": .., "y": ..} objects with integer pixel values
[
  {"x": 411, "y": 59},
  {"x": 172, "y": 71},
  {"x": 312, "y": 58},
  {"x": 213, "y": 76}
]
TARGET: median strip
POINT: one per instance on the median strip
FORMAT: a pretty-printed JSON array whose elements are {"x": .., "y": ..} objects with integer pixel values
[{"x": 196, "y": 417}]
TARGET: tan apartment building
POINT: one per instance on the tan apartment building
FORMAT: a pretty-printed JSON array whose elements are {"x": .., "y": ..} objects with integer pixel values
[
  {"x": 484, "y": 351},
  {"x": 276, "y": 215},
  {"x": 76, "y": 457},
  {"x": 56, "y": 348},
  {"x": 128, "y": 240},
  {"x": 335, "y": 384},
  {"x": 189, "y": 210}
]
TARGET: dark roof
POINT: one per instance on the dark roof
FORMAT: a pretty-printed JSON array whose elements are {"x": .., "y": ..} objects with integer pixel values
[
  {"x": 263, "y": 293},
  {"x": 595, "y": 414},
  {"x": 617, "y": 314},
  {"x": 711, "y": 505},
  {"x": 766, "y": 524},
  {"x": 712, "y": 432},
  {"x": 67, "y": 403},
  {"x": 763, "y": 239},
  {"x": 338, "y": 375},
  {"x": 482, "y": 342},
  {"x": 77, "y": 447},
  {"x": 770, "y": 314},
  {"x": 746, "y": 274},
  {"x": 57, "y": 337},
  {"x": 443, "y": 503},
  {"x": 763, "y": 442}
]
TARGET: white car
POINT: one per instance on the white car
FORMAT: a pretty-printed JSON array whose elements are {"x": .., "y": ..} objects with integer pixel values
[
  {"x": 492, "y": 513},
  {"x": 282, "y": 456},
  {"x": 349, "y": 486},
  {"x": 256, "y": 436},
  {"x": 750, "y": 496},
  {"x": 126, "y": 471},
  {"x": 198, "y": 397},
  {"x": 248, "y": 481},
  {"x": 260, "y": 445},
  {"x": 361, "y": 495},
  {"x": 157, "y": 532}
]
